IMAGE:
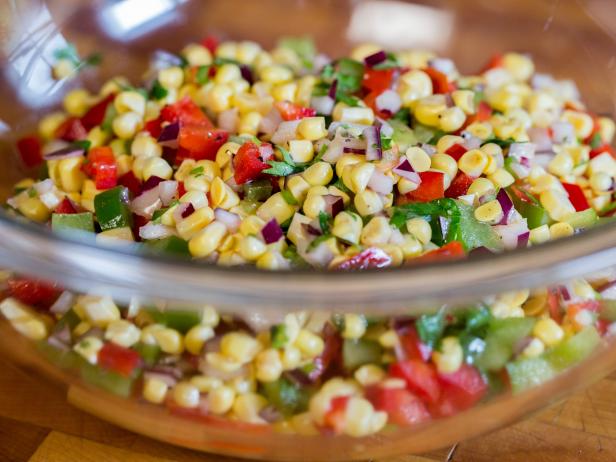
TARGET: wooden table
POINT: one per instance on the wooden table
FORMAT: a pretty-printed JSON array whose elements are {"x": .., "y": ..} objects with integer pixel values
[{"x": 37, "y": 424}]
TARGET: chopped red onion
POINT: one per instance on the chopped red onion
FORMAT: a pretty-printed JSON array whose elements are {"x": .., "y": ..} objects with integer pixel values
[
  {"x": 272, "y": 232},
  {"x": 381, "y": 183},
  {"x": 312, "y": 230},
  {"x": 386, "y": 128},
  {"x": 372, "y": 135},
  {"x": 323, "y": 104},
  {"x": 162, "y": 59},
  {"x": 188, "y": 210},
  {"x": 347, "y": 150},
  {"x": 389, "y": 100},
  {"x": 168, "y": 379},
  {"x": 509, "y": 233},
  {"x": 405, "y": 170},
  {"x": 443, "y": 65},
  {"x": 430, "y": 150},
  {"x": 520, "y": 150},
  {"x": 229, "y": 219},
  {"x": 151, "y": 183},
  {"x": 266, "y": 152},
  {"x": 146, "y": 203},
  {"x": 563, "y": 132},
  {"x": 334, "y": 151},
  {"x": 332, "y": 90},
  {"x": 228, "y": 120},
  {"x": 564, "y": 293},
  {"x": 523, "y": 239},
  {"x": 471, "y": 142},
  {"x": 246, "y": 72},
  {"x": 540, "y": 137},
  {"x": 169, "y": 135},
  {"x": 320, "y": 256},
  {"x": 320, "y": 61},
  {"x": 521, "y": 171},
  {"x": 376, "y": 58},
  {"x": 63, "y": 303},
  {"x": 155, "y": 231},
  {"x": 167, "y": 190},
  {"x": 65, "y": 153},
  {"x": 506, "y": 204},
  {"x": 270, "y": 122},
  {"x": 286, "y": 131},
  {"x": 333, "y": 204}
]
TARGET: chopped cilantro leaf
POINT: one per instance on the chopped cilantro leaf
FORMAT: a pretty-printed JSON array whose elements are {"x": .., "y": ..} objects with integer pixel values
[
  {"x": 302, "y": 46},
  {"x": 279, "y": 168},
  {"x": 430, "y": 328},
  {"x": 158, "y": 91},
  {"x": 203, "y": 75},
  {"x": 288, "y": 197},
  {"x": 69, "y": 53},
  {"x": 278, "y": 334},
  {"x": 197, "y": 171},
  {"x": 502, "y": 143},
  {"x": 318, "y": 241},
  {"x": 324, "y": 222},
  {"x": 596, "y": 141},
  {"x": 32, "y": 192}
]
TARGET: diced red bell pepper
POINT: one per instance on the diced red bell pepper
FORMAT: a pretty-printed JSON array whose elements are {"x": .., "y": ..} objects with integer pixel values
[
  {"x": 330, "y": 360},
  {"x": 412, "y": 345},
  {"x": 596, "y": 128},
  {"x": 247, "y": 163},
  {"x": 186, "y": 112},
  {"x": 459, "y": 186},
  {"x": 66, "y": 207},
  {"x": 96, "y": 114},
  {"x": 456, "y": 151},
  {"x": 402, "y": 406},
  {"x": 554, "y": 308},
  {"x": 118, "y": 359},
  {"x": 211, "y": 43},
  {"x": 290, "y": 111},
  {"x": 576, "y": 196},
  {"x": 483, "y": 114},
  {"x": 335, "y": 417},
  {"x": 30, "y": 151},
  {"x": 495, "y": 61},
  {"x": 200, "y": 142},
  {"x": 71, "y": 130},
  {"x": 33, "y": 292},
  {"x": 421, "y": 378},
  {"x": 440, "y": 82},
  {"x": 460, "y": 390},
  {"x": 452, "y": 251},
  {"x": 601, "y": 149},
  {"x": 372, "y": 257},
  {"x": 181, "y": 189},
  {"x": 101, "y": 165},
  {"x": 153, "y": 127},
  {"x": 574, "y": 309},
  {"x": 131, "y": 182},
  {"x": 432, "y": 187},
  {"x": 377, "y": 80}
]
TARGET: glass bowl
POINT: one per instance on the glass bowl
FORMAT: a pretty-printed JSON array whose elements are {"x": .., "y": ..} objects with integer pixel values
[{"x": 568, "y": 39}]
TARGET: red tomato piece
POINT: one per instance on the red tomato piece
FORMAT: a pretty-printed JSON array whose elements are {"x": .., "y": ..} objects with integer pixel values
[
  {"x": 96, "y": 114},
  {"x": 247, "y": 163},
  {"x": 576, "y": 196},
  {"x": 456, "y": 151},
  {"x": 33, "y": 292},
  {"x": 66, "y": 207},
  {"x": 334, "y": 417},
  {"x": 402, "y": 406},
  {"x": 459, "y": 186},
  {"x": 200, "y": 142},
  {"x": 331, "y": 358},
  {"x": 461, "y": 390},
  {"x": 123, "y": 361},
  {"x": 71, "y": 130},
  {"x": 411, "y": 344},
  {"x": 186, "y": 112},
  {"x": 370, "y": 100},
  {"x": 601, "y": 149},
  {"x": 421, "y": 378},
  {"x": 377, "y": 80},
  {"x": 30, "y": 151},
  {"x": 554, "y": 308},
  {"x": 452, "y": 251},
  {"x": 440, "y": 82},
  {"x": 432, "y": 187},
  {"x": 495, "y": 61},
  {"x": 290, "y": 111},
  {"x": 101, "y": 166},
  {"x": 153, "y": 127},
  {"x": 181, "y": 189},
  {"x": 131, "y": 182},
  {"x": 372, "y": 257},
  {"x": 211, "y": 43}
]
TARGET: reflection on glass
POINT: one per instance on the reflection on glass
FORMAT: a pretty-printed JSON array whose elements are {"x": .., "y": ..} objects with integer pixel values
[{"x": 399, "y": 25}]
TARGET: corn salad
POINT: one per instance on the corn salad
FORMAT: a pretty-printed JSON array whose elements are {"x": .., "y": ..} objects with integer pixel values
[{"x": 235, "y": 155}]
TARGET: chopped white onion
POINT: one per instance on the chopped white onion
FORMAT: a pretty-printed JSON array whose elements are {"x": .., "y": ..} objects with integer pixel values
[
  {"x": 50, "y": 199},
  {"x": 497, "y": 77},
  {"x": 155, "y": 231},
  {"x": 270, "y": 122},
  {"x": 286, "y": 131},
  {"x": 521, "y": 171},
  {"x": 146, "y": 203},
  {"x": 519, "y": 150},
  {"x": 63, "y": 303},
  {"x": 540, "y": 137},
  {"x": 444, "y": 65},
  {"x": 229, "y": 219},
  {"x": 167, "y": 190},
  {"x": 389, "y": 100},
  {"x": 323, "y": 104},
  {"x": 509, "y": 233},
  {"x": 563, "y": 132},
  {"x": 354, "y": 129},
  {"x": 381, "y": 183},
  {"x": 334, "y": 151},
  {"x": 44, "y": 186},
  {"x": 179, "y": 210},
  {"x": 229, "y": 120}
]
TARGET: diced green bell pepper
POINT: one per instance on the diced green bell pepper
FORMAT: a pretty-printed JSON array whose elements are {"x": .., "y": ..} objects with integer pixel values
[
  {"x": 502, "y": 336},
  {"x": 64, "y": 359},
  {"x": 529, "y": 372},
  {"x": 534, "y": 213},
  {"x": 112, "y": 210},
  {"x": 107, "y": 380},
  {"x": 403, "y": 135},
  {"x": 180, "y": 320},
  {"x": 356, "y": 353},
  {"x": 257, "y": 191},
  {"x": 70, "y": 319},
  {"x": 574, "y": 349},
  {"x": 62, "y": 222},
  {"x": 149, "y": 353},
  {"x": 582, "y": 220},
  {"x": 169, "y": 245},
  {"x": 287, "y": 397}
]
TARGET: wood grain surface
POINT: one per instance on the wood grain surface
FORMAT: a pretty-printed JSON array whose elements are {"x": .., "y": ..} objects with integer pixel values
[{"x": 37, "y": 424}]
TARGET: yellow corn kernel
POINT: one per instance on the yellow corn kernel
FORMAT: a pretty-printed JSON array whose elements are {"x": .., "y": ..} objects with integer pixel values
[
  {"x": 347, "y": 160},
  {"x": 195, "y": 222},
  {"x": 354, "y": 326},
  {"x": 601, "y": 182},
  {"x": 216, "y": 98},
  {"x": 602, "y": 163},
  {"x": 521, "y": 67},
  {"x": 298, "y": 186},
  {"x": 126, "y": 125},
  {"x": 206, "y": 384},
  {"x": 97, "y": 137},
  {"x": 76, "y": 102},
  {"x": 291, "y": 358},
  {"x": 358, "y": 176},
  {"x": 389, "y": 339},
  {"x": 169, "y": 340},
  {"x": 418, "y": 158},
  {"x": 376, "y": 232},
  {"x": 491, "y": 166},
  {"x": 318, "y": 174},
  {"x": 481, "y": 186},
  {"x": 445, "y": 163},
  {"x": 123, "y": 333},
  {"x": 239, "y": 347},
  {"x": 248, "y": 406},
  {"x": 130, "y": 101},
  {"x": 114, "y": 86},
  {"x": 88, "y": 348},
  {"x": 222, "y": 195},
  {"x": 251, "y": 248},
  {"x": 428, "y": 110},
  {"x": 368, "y": 202},
  {"x": 410, "y": 246},
  {"x": 561, "y": 164},
  {"x": 71, "y": 175},
  {"x": 186, "y": 395},
  {"x": 268, "y": 365},
  {"x": 285, "y": 91},
  {"x": 449, "y": 359},
  {"x": 361, "y": 419},
  {"x": 312, "y": 128},
  {"x": 154, "y": 390},
  {"x": 406, "y": 186},
  {"x": 490, "y": 212},
  {"x": 465, "y": 100},
  {"x": 227, "y": 50},
  {"x": 145, "y": 146},
  {"x": 225, "y": 153},
  {"x": 534, "y": 349},
  {"x": 247, "y": 51},
  {"x": 197, "y": 55},
  {"x": 561, "y": 229},
  {"x": 270, "y": 260},
  {"x": 63, "y": 69},
  {"x": 482, "y": 130},
  {"x": 556, "y": 203},
  {"x": 276, "y": 74},
  {"x": 276, "y": 207},
  {"x": 311, "y": 345},
  {"x": 33, "y": 209},
  {"x": 473, "y": 162},
  {"x": 607, "y": 129},
  {"x": 369, "y": 374},
  {"x": 357, "y": 115},
  {"x": 420, "y": 229},
  {"x": 502, "y": 178},
  {"x": 447, "y": 141},
  {"x": 451, "y": 119},
  {"x": 220, "y": 400},
  {"x": 194, "y": 182},
  {"x": 24, "y": 319},
  {"x": 347, "y": 226},
  {"x": 207, "y": 240},
  {"x": 157, "y": 166},
  {"x": 197, "y": 198},
  {"x": 414, "y": 85},
  {"x": 196, "y": 338},
  {"x": 251, "y": 225},
  {"x": 583, "y": 123},
  {"x": 49, "y": 124},
  {"x": 115, "y": 236},
  {"x": 301, "y": 150},
  {"x": 249, "y": 123},
  {"x": 506, "y": 97},
  {"x": 548, "y": 331},
  {"x": 228, "y": 73},
  {"x": 363, "y": 50},
  {"x": 540, "y": 234}
]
